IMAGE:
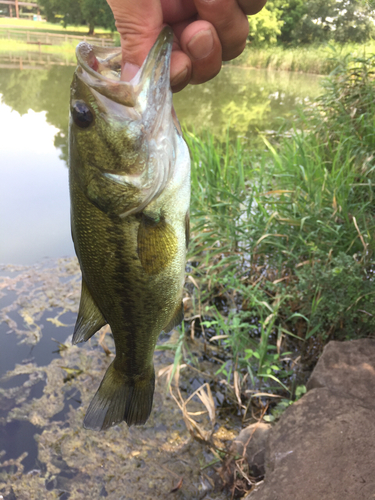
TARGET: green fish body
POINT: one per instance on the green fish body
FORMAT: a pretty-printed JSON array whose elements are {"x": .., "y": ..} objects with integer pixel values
[{"x": 129, "y": 182}]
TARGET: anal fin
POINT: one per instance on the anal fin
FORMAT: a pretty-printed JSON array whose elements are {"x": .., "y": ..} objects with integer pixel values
[
  {"x": 176, "y": 319},
  {"x": 89, "y": 319}
]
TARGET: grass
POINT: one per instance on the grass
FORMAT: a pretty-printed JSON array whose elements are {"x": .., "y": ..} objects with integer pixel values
[
  {"x": 319, "y": 59},
  {"x": 17, "y": 44},
  {"x": 43, "y": 26},
  {"x": 281, "y": 257},
  {"x": 20, "y": 47}
]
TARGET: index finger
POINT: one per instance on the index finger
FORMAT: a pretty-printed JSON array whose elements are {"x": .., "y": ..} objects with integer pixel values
[
  {"x": 251, "y": 7},
  {"x": 138, "y": 31}
]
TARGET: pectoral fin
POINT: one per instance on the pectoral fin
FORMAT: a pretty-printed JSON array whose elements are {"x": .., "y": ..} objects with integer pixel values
[
  {"x": 187, "y": 228},
  {"x": 89, "y": 319},
  {"x": 176, "y": 319},
  {"x": 157, "y": 244}
]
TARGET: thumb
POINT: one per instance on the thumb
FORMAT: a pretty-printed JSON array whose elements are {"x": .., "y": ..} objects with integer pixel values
[{"x": 139, "y": 23}]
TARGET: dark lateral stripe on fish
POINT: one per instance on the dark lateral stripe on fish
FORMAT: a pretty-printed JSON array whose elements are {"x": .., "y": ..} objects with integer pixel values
[{"x": 123, "y": 269}]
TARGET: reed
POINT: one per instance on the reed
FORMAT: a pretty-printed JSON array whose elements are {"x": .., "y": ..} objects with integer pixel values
[
  {"x": 282, "y": 237},
  {"x": 319, "y": 59}
]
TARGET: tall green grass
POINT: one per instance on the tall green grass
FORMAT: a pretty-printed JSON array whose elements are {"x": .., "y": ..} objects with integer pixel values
[
  {"x": 319, "y": 59},
  {"x": 282, "y": 238}
]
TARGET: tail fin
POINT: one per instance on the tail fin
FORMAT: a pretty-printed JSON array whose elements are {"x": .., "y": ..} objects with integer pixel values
[{"x": 120, "y": 398}]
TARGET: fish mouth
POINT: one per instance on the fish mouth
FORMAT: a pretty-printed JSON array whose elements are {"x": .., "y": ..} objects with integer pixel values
[
  {"x": 146, "y": 99},
  {"x": 100, "y": 69}
]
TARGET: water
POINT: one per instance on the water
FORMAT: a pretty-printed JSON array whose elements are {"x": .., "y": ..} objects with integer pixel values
[
  {"x": 34, "y": 203},
  {"x": 45, "y": 391}
]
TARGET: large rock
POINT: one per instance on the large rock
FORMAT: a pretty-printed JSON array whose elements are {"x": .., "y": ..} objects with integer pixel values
[
  {"x": 347, "y": 369},
  {"x": 323, "y": 447}
]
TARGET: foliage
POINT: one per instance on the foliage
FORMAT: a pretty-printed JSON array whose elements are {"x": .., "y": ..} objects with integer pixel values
[
  {"x": 337, "y": 296},
  {"x": 291, "y": 12},
  {"x": 314, "y": 21},
  {"x": 316, "y": 58},
  {"x": 282, "y": 244},
  {"x": 347, "y": 108},
  {"x": 338, "y": 20},
  {"x": 90, "y": 12},
  {"x": 265, "y": 27}
]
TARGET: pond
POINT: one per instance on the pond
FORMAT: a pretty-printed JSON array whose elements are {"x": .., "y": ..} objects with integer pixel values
[
  {"x": 45, "y": 382},
  {"x": 34, "y": 107}
]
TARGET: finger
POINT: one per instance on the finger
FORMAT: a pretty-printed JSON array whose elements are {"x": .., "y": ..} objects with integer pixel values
[
  {"x": 230, "y": 23},
  {"x": 201, "y": 43},
  {"x": 251, "y": 7},
  {"x": 181, "y": 69},
  {"x": 175, "y": 11},
  {"x": 138, "y": 31}
]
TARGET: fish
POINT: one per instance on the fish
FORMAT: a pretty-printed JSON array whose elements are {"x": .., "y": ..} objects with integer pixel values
[{"x": 129, "y": 181}]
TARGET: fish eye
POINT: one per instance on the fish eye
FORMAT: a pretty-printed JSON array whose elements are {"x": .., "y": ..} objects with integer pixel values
[{"x": 82, "y": 114}]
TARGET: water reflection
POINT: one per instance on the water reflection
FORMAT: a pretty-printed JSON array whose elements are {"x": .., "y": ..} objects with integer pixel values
[
  {"x": 34, "y": 202},
  {"x": 34, "y": 207}
]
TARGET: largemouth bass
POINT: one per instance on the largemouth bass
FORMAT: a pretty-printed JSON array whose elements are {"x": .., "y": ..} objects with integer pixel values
[{"x": 130, "y": 194}]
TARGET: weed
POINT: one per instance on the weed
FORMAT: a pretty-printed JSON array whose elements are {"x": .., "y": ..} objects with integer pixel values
[
  {"x": 316, "y": 58},
  {"x": 282, "y": 240}
]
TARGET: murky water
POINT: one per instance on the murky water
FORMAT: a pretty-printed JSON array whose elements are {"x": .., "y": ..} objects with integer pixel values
[
  {"x": 45, "y": 382},
  {"x": 34, "y": 204}
]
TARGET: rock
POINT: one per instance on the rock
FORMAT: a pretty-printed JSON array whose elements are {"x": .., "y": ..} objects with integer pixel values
[
  {"x": 323, "y": 445},
  {"x": 347, "y": 369},
  {"x": 253, "y": 438}
]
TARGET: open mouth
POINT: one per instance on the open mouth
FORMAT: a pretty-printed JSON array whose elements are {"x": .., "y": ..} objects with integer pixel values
[{"x": 100, "y": 69}]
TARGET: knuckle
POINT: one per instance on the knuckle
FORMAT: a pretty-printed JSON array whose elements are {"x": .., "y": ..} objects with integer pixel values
[
  {"x": 228, "y": 55},
  {"x": 233, "y": 31},
  {"x": 234, "y": 40},
  {"x": 199, "y": 77}
]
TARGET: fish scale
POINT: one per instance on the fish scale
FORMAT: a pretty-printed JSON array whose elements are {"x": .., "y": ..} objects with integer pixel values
[{"x": 129, "y": 219}]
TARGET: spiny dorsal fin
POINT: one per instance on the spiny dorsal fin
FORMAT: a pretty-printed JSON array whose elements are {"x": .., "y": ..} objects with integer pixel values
[
  {"x": 89, "y": 319},
  {"x": 157, "y": 244},
  {"x": 177, "y": 318}
]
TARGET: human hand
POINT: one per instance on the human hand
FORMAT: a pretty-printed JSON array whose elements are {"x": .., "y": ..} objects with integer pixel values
[{"x": 206, "y": 32}]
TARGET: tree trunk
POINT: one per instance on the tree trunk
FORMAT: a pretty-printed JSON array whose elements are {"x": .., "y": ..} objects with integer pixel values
[{"x": 91, "y": 28}]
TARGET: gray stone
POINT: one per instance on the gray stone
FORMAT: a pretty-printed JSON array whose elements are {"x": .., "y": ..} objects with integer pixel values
[
  {"x": 347, "y": 369},
  {"x": 323, "y": 447},
  {"x": 253, "y": 439}
]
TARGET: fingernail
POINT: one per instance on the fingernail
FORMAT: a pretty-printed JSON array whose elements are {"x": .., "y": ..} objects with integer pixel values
[
  {"x": 201, "y": 44},
  {"x": 128, "y": 71},
  {"x": 179, "y": 78}
]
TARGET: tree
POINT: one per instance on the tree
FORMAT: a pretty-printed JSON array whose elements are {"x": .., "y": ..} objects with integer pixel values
[
  {"x": 328, "y": 20},
  {"x": 301, "y": 21},
  {"x": 291, "y": 12},
  {"x": 90, "y": 12},
  {"x": 265, "y": 27},
  {"x": 355, "y": 21}
]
